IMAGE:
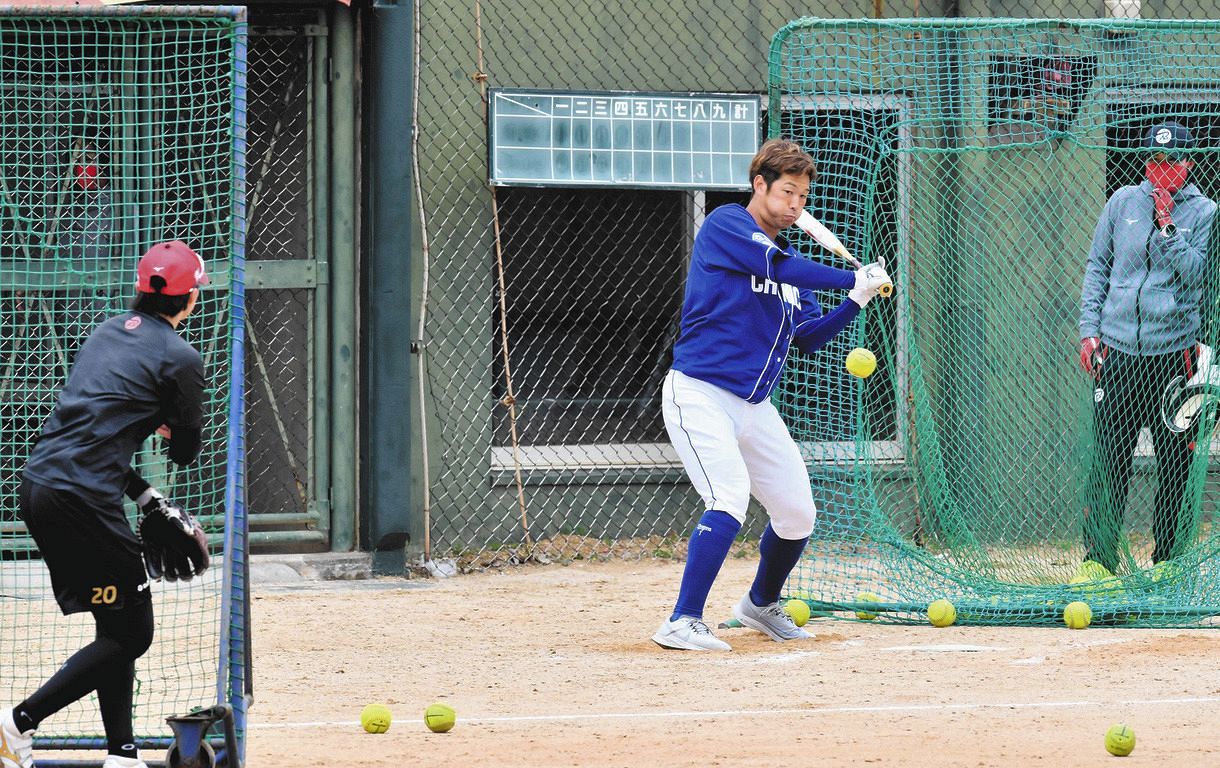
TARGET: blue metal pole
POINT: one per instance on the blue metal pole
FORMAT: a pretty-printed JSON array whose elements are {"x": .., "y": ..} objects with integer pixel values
[{"x": 233, "y": 678}]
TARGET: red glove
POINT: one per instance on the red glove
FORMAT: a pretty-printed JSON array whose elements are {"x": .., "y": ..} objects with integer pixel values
[
  {"x": 1092, "y": 353},
  {"x": 1162, "y": 202}
]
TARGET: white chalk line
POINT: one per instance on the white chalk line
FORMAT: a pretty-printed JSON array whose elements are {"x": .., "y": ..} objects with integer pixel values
[{"x": 715, "y": 713}]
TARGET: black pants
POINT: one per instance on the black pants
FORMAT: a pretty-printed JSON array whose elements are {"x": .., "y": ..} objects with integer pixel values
[
  {"x": 95, "y": 565},
  {"x": 89, "y": 547},
  {"x": 1128, "y": 397}
]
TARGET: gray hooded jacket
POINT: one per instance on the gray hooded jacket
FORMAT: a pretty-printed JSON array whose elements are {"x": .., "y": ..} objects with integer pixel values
[{"x": 1141, "y": 289}]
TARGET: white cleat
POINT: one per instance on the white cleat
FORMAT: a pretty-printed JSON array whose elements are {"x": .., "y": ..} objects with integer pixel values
[
  {"x": 114, "y": 761},
  {"x": 768, "y": 619},
  {"x": 16, "y": 748},
  {"x": 686, "y": 633}
]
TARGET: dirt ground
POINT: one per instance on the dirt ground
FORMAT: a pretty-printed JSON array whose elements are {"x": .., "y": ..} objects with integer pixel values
[{"x": 553, "y": 666}]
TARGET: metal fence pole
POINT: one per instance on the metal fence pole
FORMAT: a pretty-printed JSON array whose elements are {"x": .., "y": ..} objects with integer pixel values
[
  {"x": 343, "y": 283},
  {"x": 319, "y": 165}
]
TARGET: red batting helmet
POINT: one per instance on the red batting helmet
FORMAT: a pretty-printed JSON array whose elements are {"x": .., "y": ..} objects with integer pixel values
[{"x": 174, "y": 262}]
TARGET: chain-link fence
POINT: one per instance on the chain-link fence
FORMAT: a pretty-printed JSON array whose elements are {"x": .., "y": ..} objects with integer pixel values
[
  {"x": 280, "y": 322},
  {"x": 550, "y": 314}
]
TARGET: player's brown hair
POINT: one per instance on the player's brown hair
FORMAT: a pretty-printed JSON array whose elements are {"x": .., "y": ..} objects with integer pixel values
[{"x": 779, "y": 156}]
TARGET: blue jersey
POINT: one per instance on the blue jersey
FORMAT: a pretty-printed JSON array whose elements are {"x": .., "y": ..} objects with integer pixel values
[{"x": 738, "y": 319}]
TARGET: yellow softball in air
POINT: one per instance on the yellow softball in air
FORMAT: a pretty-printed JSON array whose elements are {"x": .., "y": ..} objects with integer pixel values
[
  {"x": 1077, "y": 615},
  {"x": 375, "y": 718},
  {"x": 866, "y": 597},
  {"x": 942, "y": 613},
  {"x": 861, "y": 362}
]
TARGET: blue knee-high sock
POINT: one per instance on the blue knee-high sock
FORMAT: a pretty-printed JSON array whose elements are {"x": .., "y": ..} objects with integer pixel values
[
  {"x": 779, "y": 557},
  {"x": 709, "y": 545}
]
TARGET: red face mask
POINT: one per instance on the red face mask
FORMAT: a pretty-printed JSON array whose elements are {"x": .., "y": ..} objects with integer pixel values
[{"x": 1167, "y": 176}]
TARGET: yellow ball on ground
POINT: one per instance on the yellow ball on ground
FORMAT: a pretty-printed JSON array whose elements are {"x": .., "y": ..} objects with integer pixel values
[
  {"x": 1165, "y": 571},
  {"x": 866, "y": 597},
  {"x": 798, "y": 610},
  {"x": 1094, "y": 571},
  {"x": 1120, "y": 740},
  {"x": 860, "y": 362},
  {"x": 375, "y": 718},
  {"x": 1077, "y": 615},
  {"x": 942, "y": 613},
  {"x": 439, "y": 717}
]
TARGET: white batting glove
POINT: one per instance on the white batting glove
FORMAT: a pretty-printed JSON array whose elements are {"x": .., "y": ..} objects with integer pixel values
[{"x": 869, "y": 280}]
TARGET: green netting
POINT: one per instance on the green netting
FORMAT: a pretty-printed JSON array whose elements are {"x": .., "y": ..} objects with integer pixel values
[
  {"x": 117, "y": 130},
  {"x": 975, "y": 157}
]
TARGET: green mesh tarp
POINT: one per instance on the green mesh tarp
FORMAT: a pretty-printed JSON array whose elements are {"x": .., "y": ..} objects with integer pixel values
[
  {"x": 975, "y": 157},
  {"x": 117, "y": 130}
]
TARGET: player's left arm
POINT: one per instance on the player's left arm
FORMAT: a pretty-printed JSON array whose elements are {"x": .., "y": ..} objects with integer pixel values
[
  {"x": 135, "y": 486},
  {"x": 732, "y": 241},
  {"x": 813, "y": 329},
  {"x": 809, "y": 274}
]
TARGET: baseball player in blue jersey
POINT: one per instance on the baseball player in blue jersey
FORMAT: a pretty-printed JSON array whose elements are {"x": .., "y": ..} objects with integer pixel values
[
  {"x": 749, "y": 296},
  {"x": 133, "y": 375}
]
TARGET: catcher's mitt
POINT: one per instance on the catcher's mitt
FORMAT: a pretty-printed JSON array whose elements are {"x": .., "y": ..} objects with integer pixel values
[{"x": 175, "y": 546}]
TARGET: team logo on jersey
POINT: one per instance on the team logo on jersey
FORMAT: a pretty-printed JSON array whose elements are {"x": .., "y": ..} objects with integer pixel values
[
  {"x": 762, "y": 239},
  {"x": 786, "y": 292},
  {"x": 132, "y": 323},
  {"x": 1099, "y": 394}
]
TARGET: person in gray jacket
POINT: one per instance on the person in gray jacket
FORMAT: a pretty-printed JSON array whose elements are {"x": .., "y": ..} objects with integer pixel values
[{"x": 1139, "y": 327}]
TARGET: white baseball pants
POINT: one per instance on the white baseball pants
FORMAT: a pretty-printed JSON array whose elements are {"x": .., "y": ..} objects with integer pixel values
[{"x": 732, "y": 448}]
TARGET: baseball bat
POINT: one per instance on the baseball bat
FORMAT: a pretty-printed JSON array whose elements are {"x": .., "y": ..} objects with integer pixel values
[{"x": 827, "y": 239}]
